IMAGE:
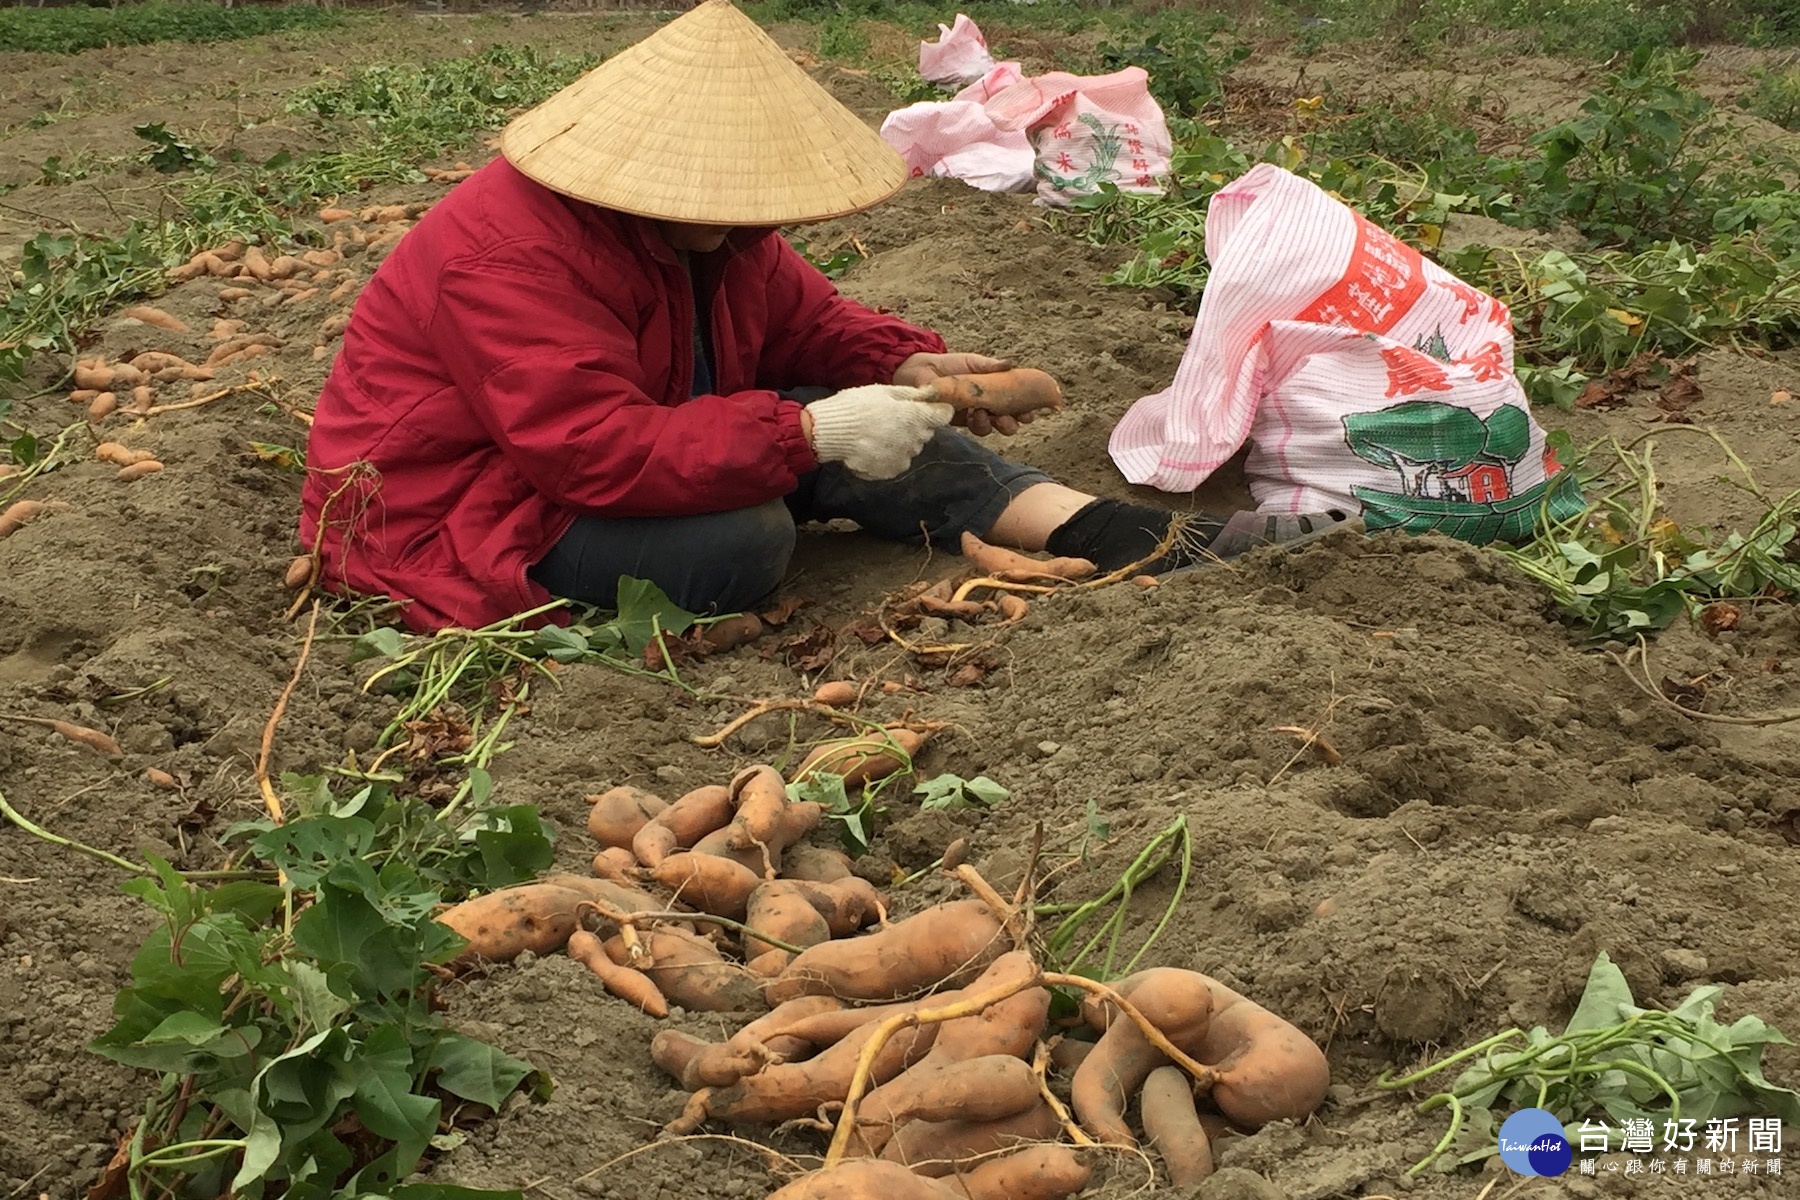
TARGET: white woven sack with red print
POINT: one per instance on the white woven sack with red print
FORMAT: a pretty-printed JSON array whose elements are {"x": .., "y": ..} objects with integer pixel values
[
  {"x": 1365, "y": 378},
  {"x": 1087, "y": 130}
]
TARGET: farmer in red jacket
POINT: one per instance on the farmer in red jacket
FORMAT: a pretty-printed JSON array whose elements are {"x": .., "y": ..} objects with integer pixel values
[{"x": 579, "y": 365}]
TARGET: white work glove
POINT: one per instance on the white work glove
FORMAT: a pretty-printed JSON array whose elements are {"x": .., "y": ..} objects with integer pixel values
[{"x": 875, "y": 431}]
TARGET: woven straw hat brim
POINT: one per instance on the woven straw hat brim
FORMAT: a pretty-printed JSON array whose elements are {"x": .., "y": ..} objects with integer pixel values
[{"x": 708, "y": 121}]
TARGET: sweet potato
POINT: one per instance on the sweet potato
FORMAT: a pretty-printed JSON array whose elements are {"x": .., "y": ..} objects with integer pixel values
[
  {"x": 1172, "y": 1127},
  {"x": 863, "y": 758},
  {"x": 256, "y": 264},
  {"x": 781, "y": 910},
  {"x": 764, "y": 862},
  {"x": 864, "y": 1179},
  {"x": 1002, "y": 393},
  {"x": 847, "y": 904},
  {"x": 633, "y": 987},
  {"x": 616, "y": 864},
  {"x": 947, "y": 944},
  {"x": 1067, "y": 1055},
  {"x": 21, "y": 513},
  {"x": 769, "y": 963},
  {"x": 299, "y": 570},
  {"x": 232, "y": 347},
  {"x": 938, "y": 1148},
  {"x": 682, "y": 823},
  {"x": 121, "y": 456},
  {"x": 675, "y": 1052},
  {"x": 231, "y": 294},
  {"x": 151, "y": 361},
  {"x": 756, "y": 1045},
  {"x": 988, "y": 1088},
  {"x": 139, "y": 470},
  {"x": 618, "y": 813},
  {"x": 156, "y": 317},
  {"x": 1267, "y": 1070},
  {"x": 285, "y": 267},
  {"x": 707, "y": 882},
  {"x": 1179, "y": 1004},
  {"x": 142, "y": 399},
  {"x": 1012, "y": 608},
  {"x": 815, "y": 864},
  {"x": 839, "y": 693},
  {"x": 501, "y": 925},
  {"x": 333, "y": 325},
  {"x": 689, "y": 971},
  {"x": 1010, "y": 1027},
  {"x": 321, "y": 258},
  {"x": 1035, "y": 1173},
  {"x": 730, "y": 633},
  {"x": 330, "y": 215},
  {"x": 760, "y": 799},
  {"x": 828, "y": 1028},
  {"x": 96, "y": 377},
  {"x": 788, "y": 1090},
  {"x": 81, "y": 735},
  {"x": 1002, "y": 563},
  {"x": 101, "y": 407},
  {"x": 162, "y": 779},
  {"x": 384, "y": 214}
]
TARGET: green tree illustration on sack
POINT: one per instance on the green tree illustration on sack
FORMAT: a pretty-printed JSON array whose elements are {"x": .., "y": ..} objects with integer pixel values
[{"x": 1454, "y": 472}]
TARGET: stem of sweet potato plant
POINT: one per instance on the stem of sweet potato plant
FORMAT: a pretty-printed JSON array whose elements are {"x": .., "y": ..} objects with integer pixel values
[{"x": 38, "y": 831}]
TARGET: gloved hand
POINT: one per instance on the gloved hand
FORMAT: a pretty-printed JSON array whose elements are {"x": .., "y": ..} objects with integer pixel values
[{"x": 875, "y": 431}]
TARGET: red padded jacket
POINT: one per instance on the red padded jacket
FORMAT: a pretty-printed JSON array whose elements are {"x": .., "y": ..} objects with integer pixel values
[{"x": 521, "y": 358}]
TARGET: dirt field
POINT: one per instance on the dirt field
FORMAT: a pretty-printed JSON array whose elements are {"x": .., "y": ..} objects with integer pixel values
[{"x": 1506, "y": 804}]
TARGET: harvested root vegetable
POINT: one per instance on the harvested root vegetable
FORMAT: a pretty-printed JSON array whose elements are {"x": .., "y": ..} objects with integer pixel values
[
  {"x": 1172, "y": 1126},
  {"x": 162, "y": 779},
  {"x": 691, "y": 972},
  {"x": 864, "y": 758},
  {"x": 1035, "y": 1173},
  {"x": 256, "y": 264},
  {"x": 781, "y": 910},
  {"x": 21, "y": 513},
  {"x": 846, "y": 904},
  {"x": 1002, "y": 563},
  {"x": 839, "y": 693},
  {"x": 331, "y": 215},
  {"x": 1013, "y": 608},
  {"x": 1265, "y": 1069},
  {"x": 384, "y": 214},
  {"x": 322, "y": 258},
  {"x": 1002, "y": 393},
  {"x": 761, "y": 800},
  {"x": 938, "y": 1148},
  {"x": 298, "y": 572},
  {"x": 96, "y": 378},
  {"x": 1145, "y": 582},
  {"x": 762, "y": 861},
  {"x": 101, "y": 407},
  {"x": 707, "y": 882},
  {"x": 503, "y": 924},
  {"x": 769, "y": 963},
  {"x": 156, "y": 317},
  {"x": 81, "y": 735},
  {"x": 1010, "y": 1027},
  {"x": 1067, "y": 1055},
  {"x": 616, "y": 864},
  {"x": 989, "y": 1088},
  {"x": 815, "y": 864},
  {"x": 232, "y": 294},
  {"x": 334, "y": 325},
  {"x": 139, "y": 470},
  {"x": 618, "y": 813},
  {"x": 730, "y": 633},
  {"x": 757, "y": 1044},
  {"x": 633, "y": 987},
  {"x": 230, "y": 348},
  {"x": 864, "y": 1179},
  {"x": 681, "y": 824},
  {"x": 156, "y": 360},
  {"x": 947, "y": 944},
  {"x": 121, "y": 456},
  {"x": 142, "y": 399},
  {"x": 788, "y": 1090},
  {"x": 960, "y": 610},
  {"x": 675, "y": 1052},
  {"x": 1176, "y": 1002}
]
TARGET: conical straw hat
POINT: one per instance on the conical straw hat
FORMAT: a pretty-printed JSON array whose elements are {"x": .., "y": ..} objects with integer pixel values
[{"x": 707, "y": 120}]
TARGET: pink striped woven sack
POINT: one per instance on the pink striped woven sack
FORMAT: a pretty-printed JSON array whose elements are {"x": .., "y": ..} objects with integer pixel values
[{"x": 1365, "y": 378}]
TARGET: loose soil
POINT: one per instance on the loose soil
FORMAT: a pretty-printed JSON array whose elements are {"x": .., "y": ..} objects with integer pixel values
[{"x": 1503, "y": 805}]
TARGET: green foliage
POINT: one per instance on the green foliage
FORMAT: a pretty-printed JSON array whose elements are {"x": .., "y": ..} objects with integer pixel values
[
  {"x": 842, "y": 37},
  {"x": 1774, "y": 96},
  {"x": 1613, "y": 1059},
  {"x": 68, "y": 29},
  {"x": 293, "y": 1025},
  {"x": 167, "y": 152},
  {"x": 1184, "y": 56},
  {"x": 950, "y": 792},
  {"x": 1622, "y": 568}
]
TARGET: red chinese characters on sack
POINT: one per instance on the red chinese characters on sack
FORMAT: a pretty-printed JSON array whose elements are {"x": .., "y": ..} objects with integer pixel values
[
  {"x": 1488, "y": 363},
  {"x": 1410, "y": 372},
  {"x": 1384, "y": 280},
  {"x": 1470, "y": 299}
]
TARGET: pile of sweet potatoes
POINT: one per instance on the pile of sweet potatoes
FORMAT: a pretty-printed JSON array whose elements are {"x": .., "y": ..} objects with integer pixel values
[{"x": 926, "y": 1044}]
